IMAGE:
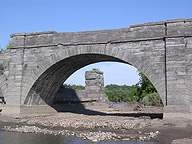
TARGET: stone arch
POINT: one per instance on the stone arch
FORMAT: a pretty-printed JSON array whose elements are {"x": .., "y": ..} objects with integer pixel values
[
  {"x": 65, "y": 60},
  {"x": 161, "y": 50}
]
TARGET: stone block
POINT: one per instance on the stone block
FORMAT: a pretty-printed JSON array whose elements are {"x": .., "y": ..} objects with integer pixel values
[
  {"x": 39, "y": 40},
  {"x": 90, "y": 76},
  {"x": 176, "y": 28},
  {"x": 18, "y": 40},
  {"x": 188, "y": 28}
]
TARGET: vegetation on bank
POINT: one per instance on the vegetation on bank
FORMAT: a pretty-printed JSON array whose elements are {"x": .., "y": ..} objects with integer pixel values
[
  {"x": 152, "y": 99},
  {"x": 123, "y": 93},
  {"x": 143, "y": 91}
]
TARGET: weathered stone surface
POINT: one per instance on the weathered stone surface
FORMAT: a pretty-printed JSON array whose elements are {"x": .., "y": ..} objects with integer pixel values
[{"x": 38, "y": 63}]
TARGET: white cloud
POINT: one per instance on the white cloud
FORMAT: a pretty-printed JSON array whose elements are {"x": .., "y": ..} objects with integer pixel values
[{"x": 114, "y": 73}]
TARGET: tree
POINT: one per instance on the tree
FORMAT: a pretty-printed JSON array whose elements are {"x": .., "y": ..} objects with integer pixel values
[{"x": 146, "y": 87}]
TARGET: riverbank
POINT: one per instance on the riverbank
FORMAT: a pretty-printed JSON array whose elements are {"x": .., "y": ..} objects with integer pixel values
[{"x": 107, "y": 125}]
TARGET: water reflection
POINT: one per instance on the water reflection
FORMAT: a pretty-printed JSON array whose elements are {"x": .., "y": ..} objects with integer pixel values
[{"x": 30, "y": 138}]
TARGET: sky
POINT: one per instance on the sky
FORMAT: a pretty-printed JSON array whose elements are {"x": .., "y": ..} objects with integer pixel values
[{"x": 17, "y": 16}]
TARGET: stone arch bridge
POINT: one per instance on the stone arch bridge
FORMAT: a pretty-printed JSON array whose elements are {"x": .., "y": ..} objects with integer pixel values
[{"x": 37, "y": 64}]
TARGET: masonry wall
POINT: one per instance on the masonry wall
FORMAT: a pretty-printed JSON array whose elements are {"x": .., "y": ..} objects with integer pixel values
[
  {"x": 178, "y": 62},
  {"x": 4, "y": 62},
  {"x": 188, "y": 45}
]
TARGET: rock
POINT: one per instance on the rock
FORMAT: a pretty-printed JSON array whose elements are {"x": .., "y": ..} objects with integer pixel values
[
  {"x": 137, "y": 107},
  {"x": 95, "y": 141},
  {"x": 126, "y": 139},
  {"x": 152, "y": 135},
  {"x": 157, "y": 132},
  {"x": 118, "y": 137},
  {"x": 141, "y": 139}
]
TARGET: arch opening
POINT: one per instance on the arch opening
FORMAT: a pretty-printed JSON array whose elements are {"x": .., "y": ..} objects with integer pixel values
[{"x": 48, "y": 84}]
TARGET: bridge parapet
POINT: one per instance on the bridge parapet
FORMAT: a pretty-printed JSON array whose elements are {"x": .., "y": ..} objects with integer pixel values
[{"x": 136, "y": 32}]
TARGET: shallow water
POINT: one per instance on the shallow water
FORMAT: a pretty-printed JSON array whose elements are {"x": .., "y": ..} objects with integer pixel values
[
  {"x": 30, "y": 138},
  {"x": 116, "y": 104}
]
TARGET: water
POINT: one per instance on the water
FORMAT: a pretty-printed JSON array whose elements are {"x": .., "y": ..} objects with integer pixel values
[
  {"x": 116, "y": 104},
  {"x": 30, "y": 138}
]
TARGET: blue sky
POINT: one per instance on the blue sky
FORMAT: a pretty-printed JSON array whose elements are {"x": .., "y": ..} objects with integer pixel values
[{"x": 18, "y": 16}]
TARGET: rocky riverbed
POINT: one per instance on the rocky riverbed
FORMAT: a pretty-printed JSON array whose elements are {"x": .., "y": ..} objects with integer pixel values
[
  {"x": 93, "y": 136},
  {"x": 92, "y": 127},
  {"x": 124, "y": 126}
]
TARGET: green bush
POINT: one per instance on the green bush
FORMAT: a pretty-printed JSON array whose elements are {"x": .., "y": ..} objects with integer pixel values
[{"x": 152, "y": 99}]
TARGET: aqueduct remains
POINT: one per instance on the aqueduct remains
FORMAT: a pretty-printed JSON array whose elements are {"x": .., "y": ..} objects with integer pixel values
[{"x": 38, "y": 63}]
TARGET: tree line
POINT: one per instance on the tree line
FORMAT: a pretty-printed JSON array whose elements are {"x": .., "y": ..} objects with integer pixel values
[{"x": 126, "y": 93}]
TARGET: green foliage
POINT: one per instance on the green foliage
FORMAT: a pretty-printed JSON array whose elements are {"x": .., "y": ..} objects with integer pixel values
[
  {"x": 95, "y": 69},
  {"x": 117, "y": 87},
  {"x": 152, "y": 99},
  {"x": 146, "y": 87},
  {"x": 123, "y": 93},
  {"x": 80, "y": 87},
  {"x": 1, "y": 69},
  {"x": 126, "y": 93},
  {"x": 9, "y": 45},
  {"x": 186, "y": 44}
]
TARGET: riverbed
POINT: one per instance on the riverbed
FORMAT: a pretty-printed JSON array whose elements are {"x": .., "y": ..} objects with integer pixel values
[{"x": 105, "y": 126}]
